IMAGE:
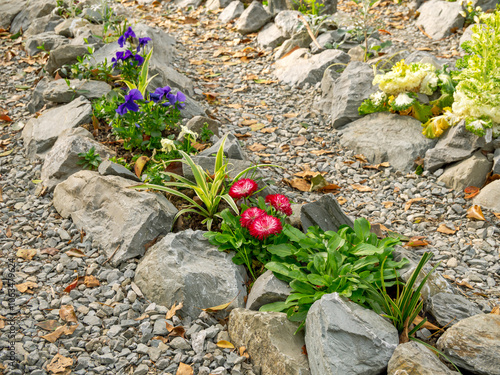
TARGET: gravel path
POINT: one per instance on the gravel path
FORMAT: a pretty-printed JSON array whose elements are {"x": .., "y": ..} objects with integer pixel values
[{"x": 117, "y": 327}]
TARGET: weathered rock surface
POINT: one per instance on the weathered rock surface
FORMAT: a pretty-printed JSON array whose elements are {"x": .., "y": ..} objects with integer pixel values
[
  {"x": 496, "y": 162},
  {"x": 37, "y": 102},
  {"x": 412, "y": 358},
  {"x": 43, "y": 24},
  {"x": 301, "y": 39},
  {"x": 447, "y": 307},
  {"x": 184, "y": 267},
  {"x": 325, "y": 213},
  {"x": 107, "y": 209},
  {"x": 287, "y": 21},
  {"x": 40, "y": 134},
  {"x": 474, "y": 344},
  {"x": 197, "y": 123},
  {"x": 59, "y": 91},
  {"x": 48, "y": 40},
  {"x": 207, "y": 164},
  {"x": 31, "y": 11},
  {"x": 300, "y": 67},
  {"x": 345, "y": 338},
  {"x": 276, "y": 6},
  {"x": 386, "y": 137},
  {"x": 437, "y": 18},
  {"x": 62, "y": 159},
  {"x": 64, "y": 55},
  {"x": 252, "y": 18},
  {"x": 468, "y": 172},
  {"x": 69, "y": 26},
  {"x": 489, "y": 197},
  {"x": 168, "y": 76},
  {"x": 108, "y": 168},
  {"x": 232, "y": 148},
  {"x": 232, "y": 11},
  {"x": 267, "y": 289},
  {"x": 270, "y": 36},
  {"x": 270, "y": 341},
  {"x": 9, "y": 9},
  {"x": 216, "y": 4}
]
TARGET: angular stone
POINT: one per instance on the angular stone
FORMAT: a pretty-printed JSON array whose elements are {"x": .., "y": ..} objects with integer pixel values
[
  {"x": 40, "y": 134},
  {"x": 232, "y": 148},
  {"x": 92, "y": 15},
  {"x": 43, "y": 24},
  {"x": 69, "y": 26},
  {"x": 184, "y": 267},
  {"x": 296, "y": 69},
  {"x": 325, "y": 213},
  {"x": 59, "y": 91},
  {"x": 192, "y": 108},
  {"x": 62, "y": 159},
  {"x": 437, "y": 18},
  {"x": 187, "y": 3},
  {"x": 267, "y": 289},
  {"x": 496, "y": 162},
  {"x": 454, "y": 145},
  {"x": 270, "y": 36},
  {"x": 252, "y": 19},
  {"x": 31, "y": 11},
  {"x": 325, "y": 39},
  {"x": 108, "y": 168},
  {"x": 344, "y": 338},
  {"x": 327, "y": 84},
  {"x": 216, "y": 4},
  {"x": 168, "y": 76},
  {"x": 9, "y": 9},
  {"x": 468, "y": 172},
  {"x": 413, "y": 358},
  {"x": 197, "y": 123},
  {"x": 489, "y": 197},
  {"x": 474, "y": 344},
  {"x": 107, "y": 209},
  {"x": 64, "y": 55},
  {"x": 288, "y": 22},
  {"x": 276, "y": 6},
  {"x": 232, "y": 11},
  {"x": 447, "y": 308},
  {"x": 270, "y": 340},
  {"x": 382, "y": 137},
  {"x": 37, "y": 102},
  {"x": 300, "y": 40},
  {"x": 48, "y": 40},
  {"x": 163, "y": 43}
]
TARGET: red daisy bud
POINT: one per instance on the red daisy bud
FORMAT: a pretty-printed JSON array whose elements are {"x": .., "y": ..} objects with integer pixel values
[
  {"x": 264, "y": 226},
  {"x": 280, "y": 203},
  {"x": 243, "y": 188},
  {"x": 250, "y": 215}
]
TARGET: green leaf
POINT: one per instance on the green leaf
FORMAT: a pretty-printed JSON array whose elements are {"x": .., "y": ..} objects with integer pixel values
[
  {"x": 275, "y": 306},
  {"x": 281, "y": 250}
]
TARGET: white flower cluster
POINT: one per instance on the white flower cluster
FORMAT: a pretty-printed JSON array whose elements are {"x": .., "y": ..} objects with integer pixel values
[
  {"x": 404, "y": 78},
  {"x": 185, "y": 131},
  {"x": 167, "y": 145},
  {"x": 464, "y": 106},
  {"x": 378, "y": 98}
]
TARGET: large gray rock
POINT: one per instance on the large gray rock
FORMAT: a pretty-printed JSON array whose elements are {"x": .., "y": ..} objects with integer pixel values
[
  {"x": 413, "y": 358},
  {"x": 267, "y": 289},
  {"x": 423, "y": 57},
  {"x": 69, "y": 26},
  {"x": 496, "y": 162},
  {"x": 382, "y": 137},
  {"x": 324, "y": 105},
  {"x": 468, "y": 172},
  {"x": 163, "y": 43},
  {"x": 168, "y": 76},
  {"x": 489, "y": 197},
  {"x": 438, "y": 17},
  {"x": 454, "y": 145},
  {"x": 187, "y": 3},
  {"x": 232, "y": 148},
  {"x": 270, "y": 36},
  {"x": 43, "y": 24},
  {"x": 62, "y": 159},
  {"x": 37, "y": 102},
  {"x": 64, "y": 55},
  {"x": 350, "y": 90},
  {"x": 300, "y": 39},
  {"x": 216, "y": 4},
  {"x": 288, "y": 22},
  {"x": 108, "y": 168},
  {"x": 9, "y": 9},
  {"x": 232, "y": 11},
  {"x": 325, "y": 213},
  {"x": 31, "y": 11},
  {"x": 276, "y": 6},
  {"x": 40, "y": 134},
  {"x": 325, "y": 39},
  {"x": 474, "y": 344},
  {"x": 344, "y": 338},
  {"x": 59, "y": 91},
  {"x": 48, "y": 40},
  {"x": 300, "y": 67},
  {"x": 192, "y": 108},
  {"x": 107, "y": 209},
  {"x": 447, "y": 308},
  {"x": 270, "y": 341},
  {"x": 197, "y": 123},
  {"x": 184, "y": 267},
  {"x": 252, "y": 19}
]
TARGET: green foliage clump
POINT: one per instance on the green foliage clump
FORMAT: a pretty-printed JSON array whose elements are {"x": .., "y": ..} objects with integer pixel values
[{"x": 89, "y": 160}]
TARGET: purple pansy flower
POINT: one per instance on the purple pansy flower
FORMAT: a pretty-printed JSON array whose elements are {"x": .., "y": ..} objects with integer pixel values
[
  {"x": 142, "y": 42},
  {"x": 159, "y": 94},
  {"x": 128, "y": 34},
  {"x": 129, "y": 104},
  {"x": 178, "y": 98},
  {"x": 139, "y": 59}
]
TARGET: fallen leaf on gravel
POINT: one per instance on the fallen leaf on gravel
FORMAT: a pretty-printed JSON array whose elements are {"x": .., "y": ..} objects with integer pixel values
[
  {"x": 241, "y": 136},
  {"x": 49, "y": 325},
  {"x": 417, "y": 242},
  {"x": 307, "y": 174},
  {"x": 235, "y": 106},
  {"x": 4, "y": 117},
  {"x": 299, "y": 141},
  {"x": 62, "y": 330},
  {"x": 225, "y": 344},
  {"x": 329, "y": 188},
  {"x": 290, "y": 115},
  {"x": 67, "y": 313},
  {"x": 189, "y": 21},
  {"x": 219, "y": 307},
  {"x": 427, "y": 325},
  {"x": 388, "y": 204},
  {"x": 243, "y": 352},
  {"x": 321, "y": 152},
  {"x": 173, "y": 310},
  {"x": 142, "y": 317},
  {"x": 139, "y": 165},
  {"x": 248, "y": 122},
  {"x": 361, "y": 188},
  {"x": 497, "y": 214},
  {"x": 269, "y": 130},
  {"x": 50, "y": 251},
  {"x": 341, "y": 200},
  {"x": 75, "y": 253},
  {"x": 257, "y": 126},
  {"x": 475, "y": 212},
  {"x": 26, "y": 254},
  {"x": 60, "y": 365},
  {"x": 495, "y": 310},
  {"x": 299, "y": 184},
  {"x": 411, "y": 201},
  {"x": 318, "y": 182},
  {"x": 463, "y": 283},
  {"x": 444, "y": 229},
  {"x": 178, "y": 331},
  {"x": 471, "y": 192},
  {"x": 1, "y": 284},
  {"x": 257, "y": 147},
  {"x": 184, "y": 369},
  {"x": 91, "y": 281},
  {"x": 26, "y": 287},
  {"x": 73, "y": 284},
  {"x": 7, "y": 153},
  {"x": 361, "y": 158},
  {"x": 2, "y": 323}
]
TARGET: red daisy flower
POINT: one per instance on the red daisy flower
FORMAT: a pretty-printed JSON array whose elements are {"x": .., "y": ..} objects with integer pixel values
[
  {"x": 243, "y": 188},
  {"x": 250, "y": 215},
  {"x": 280, "y": 203},
  {"x": 264, "y": 226}
]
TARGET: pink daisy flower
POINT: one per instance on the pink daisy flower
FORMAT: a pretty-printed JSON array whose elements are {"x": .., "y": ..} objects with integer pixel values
[
  {"x": 243, "y": 188},
  {"x": 250, "y": 215},
  {"x": 280, "y": 203},
  {"x": 264, "y": 226}
]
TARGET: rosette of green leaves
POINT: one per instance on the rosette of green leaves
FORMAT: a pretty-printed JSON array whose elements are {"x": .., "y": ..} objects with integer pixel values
[
  {"x": 377, "y": 102},
  {"x": 343, "y": 262}
]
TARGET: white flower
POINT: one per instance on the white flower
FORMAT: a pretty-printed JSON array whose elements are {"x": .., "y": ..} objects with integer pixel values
[
  {"x": 378, "y": 98},
  {"x": 403, "y": 77},
  {"x": 167, "y": 145},
  {"x": 403, "y": 100},
  {"x": 429, "y": 84},
  {"x": 185, "y": 131}
]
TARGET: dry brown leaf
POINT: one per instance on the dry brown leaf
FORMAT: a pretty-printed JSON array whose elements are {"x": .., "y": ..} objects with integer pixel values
[
  {"x": 361, "y": 158},
  {"x": 184, "y": 369},
  {"x": 8, "y": 231},
  {"x": 177, "y": 331},
  {"x": 341, "y": 200},
  {"x": 26, "y": 254},
  {"x": 139, "y": 165},
  {"x": 299, "y": 141},
  {"x": 495, "y": 310},
  {"x": 256, "y": 126},
  {"x": 257, "y": 147},
  {"x": 235, "y": 106},
  {"x": 142, "y": 317},
  {"x": 463, "y": 283},
  {"x": 60, "y": 365},
  {"x": 475, "y": 212},
  {"x": 26, "y": 287},
  {"x": 444, "y": 229},
  {"x": 416, "y": 242},
  {"x": 243, "y": 352},
  {"x": 299, "y": 184},
  {"x": 225, "y": 344},
  {"x": 497, "y": 215},
  {"x": 60, "y": 331},
  {"x": 307, "y": 174},
  {"x": 74, "y": 252},
  {"x": 427, "y": 325},
  {"x": 248, "y": 122},
  {"x": 471, "y": 192},
  {"x": 219, "y": 307},
  {"x": 241, "y": 136},
  {"x": 91, "y": 281},
  {"x": 362, "y": 188},
  {"x": 388, "y": 204},
  {"x": 49, "y": 325},
  {"x": 67, "y": 313},
  {"x": 173, "y": 310},
  {"x": 2, "y": 323},
  {"x": 321, "y": 152},
  {"x": 329, "y": 188},
  {"x": 290, "y": 115},
  {"x": 50, "y": 251},
  {"x": 411, "y": 201},
  {"x": 1, "y": 284},
  {"x": 269, "y": 130}
]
